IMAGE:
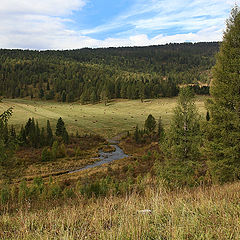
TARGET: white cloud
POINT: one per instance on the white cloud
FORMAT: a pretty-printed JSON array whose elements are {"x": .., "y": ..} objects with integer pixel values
[
  {"x": 35, "y": 24},
  {"x": 42, "y": 7},
  {"x": 41, "y": 24}
]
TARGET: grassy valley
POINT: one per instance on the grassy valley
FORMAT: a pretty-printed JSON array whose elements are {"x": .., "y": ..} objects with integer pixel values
[{"x": 117, "y": 117}]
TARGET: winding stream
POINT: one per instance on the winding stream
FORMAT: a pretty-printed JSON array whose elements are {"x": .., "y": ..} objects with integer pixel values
[{"x": 105, "y": 157}]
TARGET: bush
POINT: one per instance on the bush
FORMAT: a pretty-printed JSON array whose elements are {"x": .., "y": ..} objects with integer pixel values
[
  {"x": 55, "y": 191},
  {"x": 47, "y": 155}
]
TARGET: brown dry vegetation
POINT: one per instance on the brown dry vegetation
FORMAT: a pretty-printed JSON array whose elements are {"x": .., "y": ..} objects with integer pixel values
[
  {"x": 27, "y": 162},
  {"x": 202, "y": 213}
]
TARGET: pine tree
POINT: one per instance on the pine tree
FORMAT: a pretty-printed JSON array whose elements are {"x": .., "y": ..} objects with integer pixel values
[
  {"x": 150, "y": 123},
  {"x": 49, "y": 134},
  {"x": 37, "y": 140},
  {"x": 46, "y": 155},
  {"x": 182, "y": 143},
  {"x": 137, "y": 134},
  {"x": 61, "y": 130},
  {"x": 160, "y": 130},
  {"x": 65, "y": 136},
  {"x": 13, "y": 132},
  {"x": 60, "y": 127},
  {"x": 84, "y": 98},
  {"x": 64, "y": 96},
  {"x": 41, "y": 93},
  {"x": 93, "y": 97},
  {"x": 32, "y": 133},
  {"x": 42, "y": 138},
  {"x": 223, "y": 138},
  {"x": 207, "y": 116},
  {"x": 28, "y": 126},
  {"x": 6, "y": 148},
  {"x": 22, "y": 136}
]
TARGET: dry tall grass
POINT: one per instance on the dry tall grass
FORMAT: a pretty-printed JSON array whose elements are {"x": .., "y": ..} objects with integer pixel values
[{"x": 202, "y": 213}]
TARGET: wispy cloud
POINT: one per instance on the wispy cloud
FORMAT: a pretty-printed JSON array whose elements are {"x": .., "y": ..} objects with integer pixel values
[
  {"x": 162, "y": 14},
  {"x": 45, "y": 24}
]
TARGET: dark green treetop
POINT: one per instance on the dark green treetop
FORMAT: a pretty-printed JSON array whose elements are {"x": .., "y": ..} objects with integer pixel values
[
  {"x": 223, "y": 137},
  {"x": 150, "y": 123}
]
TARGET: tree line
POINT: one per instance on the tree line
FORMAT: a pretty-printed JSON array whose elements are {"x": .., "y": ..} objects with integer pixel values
[{"x": 93, "y": 75}]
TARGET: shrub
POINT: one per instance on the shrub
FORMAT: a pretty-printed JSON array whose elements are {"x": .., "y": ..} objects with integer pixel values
[{"x": 47, "y": 155}]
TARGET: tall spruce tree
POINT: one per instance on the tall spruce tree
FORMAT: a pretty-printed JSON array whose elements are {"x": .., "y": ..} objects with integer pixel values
[
  {"x": 60, "y": 127},
  {"x": 61, "y": 130},
  {"x": 223, "y": 137},
  {"x": 150, "y": 123},
  {"x": 160, "y": 129},
  {"x": 6, "y": 148},
  {"x": 182, "y": 143},
  {"x": 49, "y": 134}
]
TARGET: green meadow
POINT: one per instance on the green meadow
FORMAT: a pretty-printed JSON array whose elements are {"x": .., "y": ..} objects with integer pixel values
[{"x": 117, "y": 117}]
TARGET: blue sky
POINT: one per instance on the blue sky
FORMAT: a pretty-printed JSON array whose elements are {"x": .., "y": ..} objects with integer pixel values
[{"x": 71, "y": 24}]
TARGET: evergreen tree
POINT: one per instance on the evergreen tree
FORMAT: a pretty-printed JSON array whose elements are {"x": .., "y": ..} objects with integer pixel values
[
  {"x": 84, "y": 98},
  {"x": 61, "y": 130},
  {"x": 6, "y": 148},
  {"x": 42, "y": 138},
  {"x": 13, "y": 133},
  {"x": 28, "y": 126},
  {"x": 46, "y": 155},
  {"x": 60, "y": 127},
  {"x": 182, "y": 143},
  {"x": 207, "y": 116},
  {"x": 22, "y": 136},
  {"x": 70, "y": 97},
  {"x": 93, "y": 97},
  {"x": 137, "y": 134},
  {"x": 160, "y": 130},
  {"x": 41, "y": 93},
  {"x": 49, "y": 134},
  {"x": 64, "y": 96},
  {"x": 37, "y": 139},
  {"x": 150, "y": 123},
  {"x": 223, "y": 137},
  {"x": 65, "y": 136},
  {"x": 104, "y": 97}
]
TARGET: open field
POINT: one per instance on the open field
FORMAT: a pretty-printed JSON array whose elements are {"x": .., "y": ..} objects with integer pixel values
[{"x": 118, "y": 116}]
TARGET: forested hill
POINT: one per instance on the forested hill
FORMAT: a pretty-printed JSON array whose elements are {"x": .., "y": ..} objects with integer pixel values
[{"x": 99, "y": 74}]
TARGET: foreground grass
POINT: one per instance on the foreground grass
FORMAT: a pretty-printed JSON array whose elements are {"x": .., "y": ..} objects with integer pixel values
[
  {"x": 118, "y": 116},
  {"x": 202, "y": 213}
]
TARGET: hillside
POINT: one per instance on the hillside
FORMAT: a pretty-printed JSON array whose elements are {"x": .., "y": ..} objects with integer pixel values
[
  {"x": 201, "y": 213},
  {"x": 92, "y": 75}
]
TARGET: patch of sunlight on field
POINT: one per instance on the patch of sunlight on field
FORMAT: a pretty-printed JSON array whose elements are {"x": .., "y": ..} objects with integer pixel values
[{"x": 118, "y": 116}]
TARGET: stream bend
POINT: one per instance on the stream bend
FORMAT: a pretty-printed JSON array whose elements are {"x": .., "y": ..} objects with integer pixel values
[{"x": 105, "y": 157}]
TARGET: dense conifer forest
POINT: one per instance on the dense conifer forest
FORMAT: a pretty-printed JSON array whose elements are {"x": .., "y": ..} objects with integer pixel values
[{"x": 93, "y": 75}]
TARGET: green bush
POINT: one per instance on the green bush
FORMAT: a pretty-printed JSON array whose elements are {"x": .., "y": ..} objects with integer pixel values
[
  {"x": 55, "y": 191},
  {"x": 47, "y": 155}
]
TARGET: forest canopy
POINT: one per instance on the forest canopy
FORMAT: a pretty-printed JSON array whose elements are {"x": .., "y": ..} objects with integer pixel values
[{"x": 92, "y": 75}]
